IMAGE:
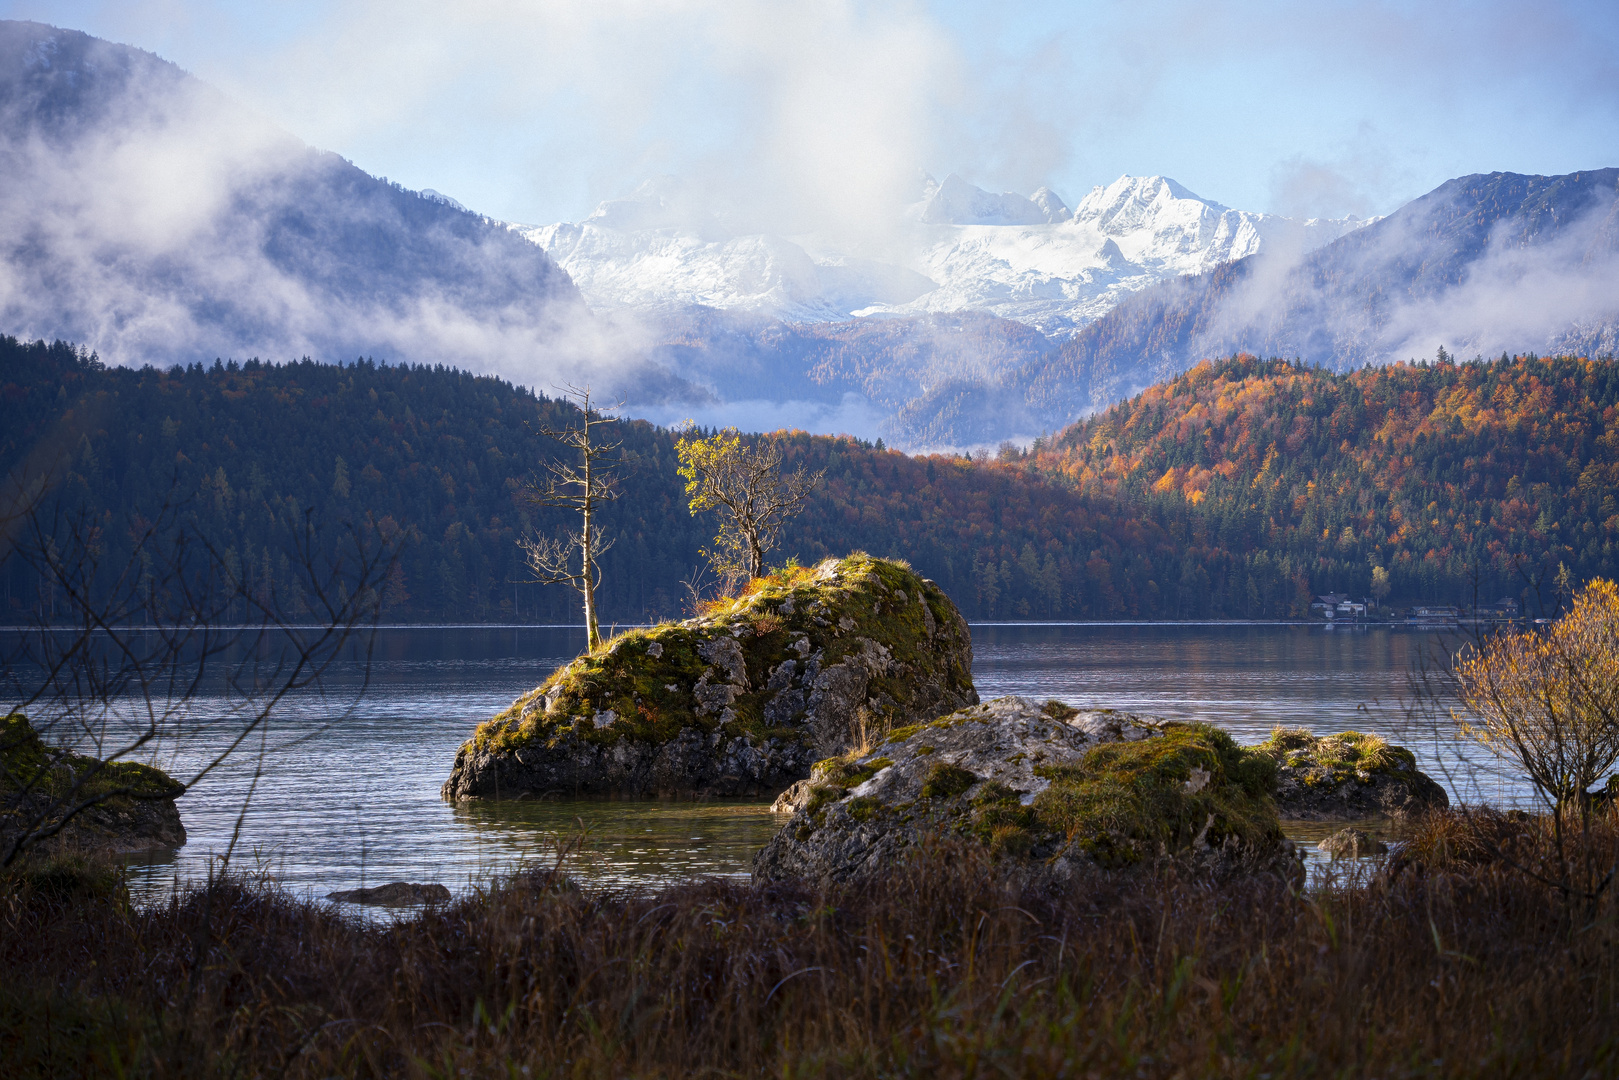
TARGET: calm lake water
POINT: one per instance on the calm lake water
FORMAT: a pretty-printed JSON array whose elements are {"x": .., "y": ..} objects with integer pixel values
[{"x": 349, "y": 790}]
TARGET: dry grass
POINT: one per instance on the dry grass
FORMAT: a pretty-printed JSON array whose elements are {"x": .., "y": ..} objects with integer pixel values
[{"x": 1465, "y": 969}]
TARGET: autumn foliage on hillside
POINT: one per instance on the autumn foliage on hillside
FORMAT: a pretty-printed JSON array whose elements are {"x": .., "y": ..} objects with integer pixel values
[{"x": 1280, "y": 478}]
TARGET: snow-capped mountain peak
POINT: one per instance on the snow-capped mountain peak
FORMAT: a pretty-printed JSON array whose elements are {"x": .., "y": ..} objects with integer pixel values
[
  {"x": 964, "y": 249},
  {"x": 1132, "y": 202}
]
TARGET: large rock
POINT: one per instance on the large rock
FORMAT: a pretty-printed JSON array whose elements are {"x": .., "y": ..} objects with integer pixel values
[
  {"x": 1055, "y": 793},
  {"x": 739, "y": 702},
  {"x": 1349, "y": 776},
  {"x": 125, "y": 806}
]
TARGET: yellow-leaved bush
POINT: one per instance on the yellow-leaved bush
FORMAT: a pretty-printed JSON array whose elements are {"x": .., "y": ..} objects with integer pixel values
[{"x": 1547, "y": 699}]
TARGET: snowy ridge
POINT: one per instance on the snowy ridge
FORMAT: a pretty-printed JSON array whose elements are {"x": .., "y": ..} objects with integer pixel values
[{"x": 1029, "y": 259}]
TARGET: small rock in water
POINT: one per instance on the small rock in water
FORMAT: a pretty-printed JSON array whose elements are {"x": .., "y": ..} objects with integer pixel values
[
  {"x": 1352, "y": 844},
  {"x": 1350, "y": 776},
  {"x": 394, "y": 894}
]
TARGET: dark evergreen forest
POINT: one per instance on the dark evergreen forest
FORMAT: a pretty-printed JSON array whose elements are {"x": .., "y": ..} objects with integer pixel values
[{"x": 1235, "y": 491}]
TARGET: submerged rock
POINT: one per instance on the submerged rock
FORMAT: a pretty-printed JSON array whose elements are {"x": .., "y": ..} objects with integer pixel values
[
  {"x": 738, "y": 702},
  {"x": 1055, "y": 793},
  {"x": 394, "y": 894},
  {"x": 125, "y": 806},
  {"x": 1346, "y": 777},
  {"x": 1352, "y": 844}
]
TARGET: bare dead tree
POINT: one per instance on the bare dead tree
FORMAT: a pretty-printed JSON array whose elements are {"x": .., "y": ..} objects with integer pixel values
[
  {"x": 582, "y": 488},
  {"x": 114, "y": 665}
]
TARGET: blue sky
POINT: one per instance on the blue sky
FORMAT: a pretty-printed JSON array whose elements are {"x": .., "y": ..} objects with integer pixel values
[{"x": 814, "y": 115}]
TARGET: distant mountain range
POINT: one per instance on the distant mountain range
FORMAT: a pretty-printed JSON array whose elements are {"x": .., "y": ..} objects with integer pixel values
[
  {"x": 1481, "y": 265},
  {"x": 957, "y": 248},
  {"x": 147, "y": 216}
]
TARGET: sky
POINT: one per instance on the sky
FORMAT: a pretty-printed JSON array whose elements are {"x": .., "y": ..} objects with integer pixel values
[{"x": 820, "y": 115}]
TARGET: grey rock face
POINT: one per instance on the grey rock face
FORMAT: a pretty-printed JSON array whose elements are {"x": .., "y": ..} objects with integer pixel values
[
  {"x": 1347, "y": 777},
  {"x": 1301, "y": 795},
  {"x": 834, "y": 833},
  {"x": 133, "y": 826},
  {"x": 742, "y": 702},
  {"x": 987, "y": 772},
  {"x": 131, "y": 807}
]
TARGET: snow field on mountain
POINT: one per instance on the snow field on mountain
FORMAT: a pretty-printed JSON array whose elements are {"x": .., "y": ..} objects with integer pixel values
[{"x": 960, "y": 248}]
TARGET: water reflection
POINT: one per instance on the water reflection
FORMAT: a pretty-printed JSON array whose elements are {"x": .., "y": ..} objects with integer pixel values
[
  {"x": 349, "y": 794},
  {"x": 626, "y": 842}
]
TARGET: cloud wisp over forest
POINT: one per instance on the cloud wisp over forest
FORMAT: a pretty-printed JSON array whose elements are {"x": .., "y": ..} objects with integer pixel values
[{"x": 155, "y": 219}]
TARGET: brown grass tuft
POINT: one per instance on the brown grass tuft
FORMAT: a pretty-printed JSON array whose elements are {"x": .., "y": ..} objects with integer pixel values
[{"x": 938, "y": 970}]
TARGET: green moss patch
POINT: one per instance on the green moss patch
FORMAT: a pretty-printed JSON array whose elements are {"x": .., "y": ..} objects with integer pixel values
[
  {"x": 1333, "y": 759},
  {"x": 50, "y": 773},
  {"x": 1128, "y": 800},
  {"x": 945, "y": 781}
]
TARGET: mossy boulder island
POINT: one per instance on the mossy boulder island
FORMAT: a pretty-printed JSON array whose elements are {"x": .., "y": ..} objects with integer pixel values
[
  {"x": 739, "y": 701},
  {"x": 131, "y": 806},
  {"x": 1057, "y": 793},
  {"x": 1347, "y": 777}
]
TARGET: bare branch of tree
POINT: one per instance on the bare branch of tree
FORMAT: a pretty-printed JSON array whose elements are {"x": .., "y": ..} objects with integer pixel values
[{"x": 115, "y": 662}]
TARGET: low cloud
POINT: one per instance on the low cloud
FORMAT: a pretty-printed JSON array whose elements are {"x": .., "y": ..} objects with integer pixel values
[
  {"x": 1415, "y": 282},
  {"x": 153, "y": 219}
]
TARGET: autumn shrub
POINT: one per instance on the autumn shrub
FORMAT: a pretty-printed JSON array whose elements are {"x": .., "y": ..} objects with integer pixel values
[{"x": 1546, "y": 700}]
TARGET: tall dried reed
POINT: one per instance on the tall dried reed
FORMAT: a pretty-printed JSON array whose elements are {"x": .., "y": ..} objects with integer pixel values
[{"x": 1455, "y": 968}]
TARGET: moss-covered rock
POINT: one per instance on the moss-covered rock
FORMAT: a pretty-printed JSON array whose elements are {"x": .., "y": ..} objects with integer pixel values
[
  {"x": 125, "y": 806},
  {"x": 1346, "y": 777},
  {"x": 1055, "y": 792},
  {"x": 741, "y": 701}
]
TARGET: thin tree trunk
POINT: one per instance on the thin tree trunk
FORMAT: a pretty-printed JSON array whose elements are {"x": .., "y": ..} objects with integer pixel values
[{"x": 593, "y": 636}]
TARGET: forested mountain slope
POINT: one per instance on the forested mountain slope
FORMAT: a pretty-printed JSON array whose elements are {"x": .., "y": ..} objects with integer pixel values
[
  {"x": 1234, "y": 491},
  {"x": 1435, "y": 471}
]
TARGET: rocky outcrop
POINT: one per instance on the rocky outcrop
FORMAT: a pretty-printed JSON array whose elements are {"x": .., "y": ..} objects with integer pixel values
[
  {"x": 1346, "y": 777},
  {"x": 394, "y": 894},
  {"x": 738, "y": 702},
  {"x": 1056, "y": 794},
  {"x": 55, "y": 800}
]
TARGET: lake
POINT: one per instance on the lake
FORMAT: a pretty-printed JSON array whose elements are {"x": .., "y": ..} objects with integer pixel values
[{"x": 349, "y": 790}]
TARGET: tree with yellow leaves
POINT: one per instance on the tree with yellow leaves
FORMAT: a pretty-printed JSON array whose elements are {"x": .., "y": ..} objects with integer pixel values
[
  {"x": 1547, "y": 699},
  {"x": 744, "y": 482}
]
